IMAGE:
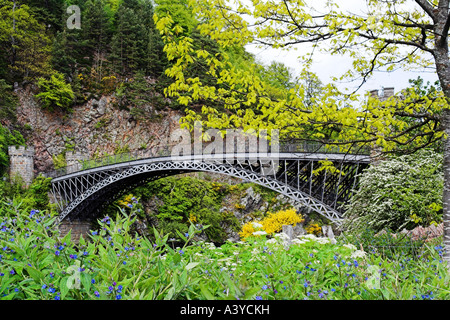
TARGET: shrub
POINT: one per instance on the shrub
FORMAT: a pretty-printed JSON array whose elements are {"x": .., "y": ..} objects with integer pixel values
[
  {"x": 55, "y": 92},
  {"x": 313, "y": 228},
  {"x": 272, "y": 223},
  {"x": 398, "y": 193},
  {"x": 8, "y": 138}
]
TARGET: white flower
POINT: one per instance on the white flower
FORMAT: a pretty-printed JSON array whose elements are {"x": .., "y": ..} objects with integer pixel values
[
  {"x": 257, "y": 225},
  {"x": 271, "y": 241},
  {"x": 308, "y": 237},
  {"x": 358, "y": 254},
  {"x": 323, "y": 240},
  {"x": 259, "y": 233},
  {"x": 282, "y": 235},
  {"x": 350, "y": 246},
  {"x": 297, "y": 241}
]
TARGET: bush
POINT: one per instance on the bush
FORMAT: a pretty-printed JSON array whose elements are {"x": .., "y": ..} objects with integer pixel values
[
  {"x": 272, "y": 223},
  {"x": 8, "y": 138},
  {"x": 55, "y": 92},
  {"x": 35, "y": 196},
  {"x": 399, "y": 193}
]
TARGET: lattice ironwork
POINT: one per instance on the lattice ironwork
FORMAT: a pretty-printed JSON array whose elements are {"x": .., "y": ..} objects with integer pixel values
[{"x": 297, "y": 175}]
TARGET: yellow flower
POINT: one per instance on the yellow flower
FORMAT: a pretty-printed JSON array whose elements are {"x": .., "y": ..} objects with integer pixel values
[
  {"x": 192, "y": 218},
  {"x": 272, "y": 223},
  {"x": 314, "y": 228}
]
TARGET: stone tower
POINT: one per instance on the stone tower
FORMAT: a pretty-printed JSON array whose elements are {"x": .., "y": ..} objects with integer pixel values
[
  {"x": 74, "y": 160},
  {"x": 21, "y": 163}
]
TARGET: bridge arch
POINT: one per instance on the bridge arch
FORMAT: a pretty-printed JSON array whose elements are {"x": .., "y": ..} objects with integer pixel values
[{"x": 83, "y": 193}]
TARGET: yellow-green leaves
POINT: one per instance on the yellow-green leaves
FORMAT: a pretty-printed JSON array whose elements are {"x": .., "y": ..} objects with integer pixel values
[{"x": 250, "y": 98}]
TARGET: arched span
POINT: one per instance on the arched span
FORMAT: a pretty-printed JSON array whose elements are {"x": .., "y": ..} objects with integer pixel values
[{"x": 294, "y": 175}]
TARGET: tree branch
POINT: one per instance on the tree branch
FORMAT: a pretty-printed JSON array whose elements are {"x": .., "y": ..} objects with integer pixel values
[{"x": 428, "y": 8}]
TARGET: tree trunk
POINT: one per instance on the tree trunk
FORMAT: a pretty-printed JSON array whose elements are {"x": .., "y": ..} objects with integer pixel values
[
  {"x": 446, "y": 194},
  {"x": 442, "y": 63}
]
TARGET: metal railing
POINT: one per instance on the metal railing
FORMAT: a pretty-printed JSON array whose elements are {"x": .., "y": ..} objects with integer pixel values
[{"x": 166, "y": 151}]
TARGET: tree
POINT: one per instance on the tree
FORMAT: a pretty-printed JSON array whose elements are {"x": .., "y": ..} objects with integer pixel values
[
  {"x": 134, "y": 45},
  {"x": 389, "y": 35},
  {"x": 55, "y": 92},
  {"x": 25, "y": 46}
]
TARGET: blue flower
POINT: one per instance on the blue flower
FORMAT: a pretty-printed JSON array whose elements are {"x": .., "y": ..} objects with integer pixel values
[
  {"x": 97, "y": 294},
  {"x": 16, "y": 289},
  {"x": 57, "y": 253},
  {"x": 258, "y": 298},
  {"x": 44, "y": 286},
  {"x": 264, "y": 287},
  {"x": 93, "y": 281},
  {"x": 118, "y": 297},
  {"x": 186, "y": 235},
  {"x": 57, "y": 297}
]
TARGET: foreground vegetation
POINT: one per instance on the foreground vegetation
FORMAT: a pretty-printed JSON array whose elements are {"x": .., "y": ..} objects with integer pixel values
[{"x": 116, "y": 263}]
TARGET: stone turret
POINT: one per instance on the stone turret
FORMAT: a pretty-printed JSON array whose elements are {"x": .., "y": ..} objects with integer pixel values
[
  {"x": 21, "y": 163},
  {"x": 74, "y": 160},
  {"x": 384, "y": 95}
]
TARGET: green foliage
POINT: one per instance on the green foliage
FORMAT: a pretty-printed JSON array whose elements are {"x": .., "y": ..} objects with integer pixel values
[
  {"x": 59, "y": 161},
  {"x": 116, "y": 264},
  {"x": 25, "y": 53},
  {"x": 183, "y": 198},
  {"x": 8, "y": 101},
  {"x": 135, "y": 92},
  {"x": 35, "y": 196},
  {"x": 8, "y": 138},
  {"x": 386, "y": 244},
  {"x": 180, "y": 13},
  {"x": 55, "y": 92},
  {"x": 402, "y": 192}
]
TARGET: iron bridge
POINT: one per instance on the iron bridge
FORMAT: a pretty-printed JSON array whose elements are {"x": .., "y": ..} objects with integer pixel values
[{"x": 295, "y": 171}]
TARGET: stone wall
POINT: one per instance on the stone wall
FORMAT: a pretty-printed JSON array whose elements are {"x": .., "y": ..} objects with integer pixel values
[
  {"x": 78, "y": 228},
  {"x": 95, "y": 128},
  {"x": 21, "y": 163}
]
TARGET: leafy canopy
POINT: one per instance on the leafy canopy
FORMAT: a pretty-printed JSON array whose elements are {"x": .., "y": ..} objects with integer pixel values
[{"x": 383, "y": 39}]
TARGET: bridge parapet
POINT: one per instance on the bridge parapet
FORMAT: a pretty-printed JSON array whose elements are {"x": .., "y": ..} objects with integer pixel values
[{"x": 78, "y": 162}]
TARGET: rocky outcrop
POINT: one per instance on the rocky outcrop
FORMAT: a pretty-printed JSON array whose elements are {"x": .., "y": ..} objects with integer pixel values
[
  {"x": 94, "y": 128},
  {"x": 420, "y": 233}
]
